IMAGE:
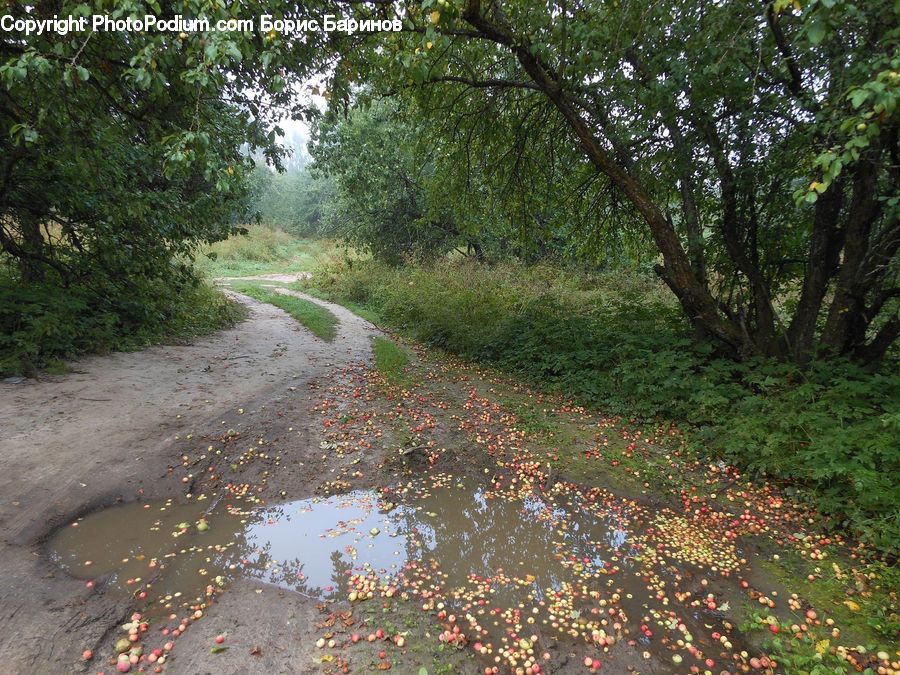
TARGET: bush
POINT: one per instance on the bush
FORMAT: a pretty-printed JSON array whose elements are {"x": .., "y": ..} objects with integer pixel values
[
  {"x": 44, "y": 324},
  {"x": 615, "y": 341}
]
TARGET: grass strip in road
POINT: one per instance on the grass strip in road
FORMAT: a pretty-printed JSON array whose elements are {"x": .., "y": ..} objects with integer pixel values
[
  {"x": 318, "y": 320},
  {"x": 367, "y": 312}
]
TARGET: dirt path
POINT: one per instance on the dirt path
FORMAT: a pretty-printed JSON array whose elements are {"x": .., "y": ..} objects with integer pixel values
[
  {"x": 114, "y": 429},
  {"x": 665, "y": 559}
]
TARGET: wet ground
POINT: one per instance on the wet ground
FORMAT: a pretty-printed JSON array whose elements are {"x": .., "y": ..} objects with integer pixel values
[
  {"x": 114, "y": 429},
  {"x": 322, "y": 519},
  {"x": 521, "y": 577}
]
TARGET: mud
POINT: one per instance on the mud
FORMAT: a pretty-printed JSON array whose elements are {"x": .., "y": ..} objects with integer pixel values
[{"x": 114, "y": 430}]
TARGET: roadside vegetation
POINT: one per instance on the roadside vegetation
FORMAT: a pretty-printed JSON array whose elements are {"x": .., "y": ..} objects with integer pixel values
[
  {"x": 391, "y": 360},
  {"x": 617, "y": 342},
  {"x": 44, "y": 325}
]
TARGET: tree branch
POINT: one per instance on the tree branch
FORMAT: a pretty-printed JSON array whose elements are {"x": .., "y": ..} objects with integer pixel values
[
  {"x": 795, "y": 85},
  {"x": 484, "y": 84}
]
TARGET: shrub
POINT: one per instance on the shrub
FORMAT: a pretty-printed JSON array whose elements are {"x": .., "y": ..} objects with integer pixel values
[
  {"x": 615, "y": 341},
  {"x": 44, "y": 324}
]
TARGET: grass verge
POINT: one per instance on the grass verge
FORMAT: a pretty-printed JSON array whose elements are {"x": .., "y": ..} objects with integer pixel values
[
  {"x": 616, "y": 342},
  {"x": 318, "y": 320},
  {"x": 390, "y": 359},
  {"x": 44, "y": 325}
]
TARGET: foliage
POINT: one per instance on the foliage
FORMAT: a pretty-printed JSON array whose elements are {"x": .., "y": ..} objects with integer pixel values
[
  {"x": 384, "y": 201},
  {"x": 121, "y": 151},
  {"x": 263, "y": 249},
  {"x": 294, "y": 202},
  {"x": 814, "y": 654},
  {"x": 320, "y": 322},
  {"x": 754, "y": 143},
  {"x": 615, "y": 341},
  {"x": 44, "y": 324},
  {"x": 399, "y": 195},
  {"x": 144, "y": 158}
]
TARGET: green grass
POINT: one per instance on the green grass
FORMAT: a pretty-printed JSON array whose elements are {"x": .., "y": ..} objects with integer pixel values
[
  {"x": 263, "y": 250},
  {"x": 618, "y": 342},
  {"x": 872, "y": 620},
  {"x": 318, "y": 320},
  {"x": 368, "y": 313},
  {"x": 390, "y": 359}
]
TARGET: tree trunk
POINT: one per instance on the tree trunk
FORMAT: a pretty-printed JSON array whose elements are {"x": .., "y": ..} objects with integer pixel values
[
  {"x": 819, "y": 269},
  {"x": 750, "y": 330},
  {"x": 676, "y": 272},
  {"x": 848, "y": 306},
  {"x": 876, "y": 349},
  {"x": 477, "y": 249},
  {"x": 32, "y": 248}
]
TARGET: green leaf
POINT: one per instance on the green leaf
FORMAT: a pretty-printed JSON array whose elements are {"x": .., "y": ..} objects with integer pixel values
[
  {"x": 858, "y": 97},
  {"x": 816, "y": 31}
]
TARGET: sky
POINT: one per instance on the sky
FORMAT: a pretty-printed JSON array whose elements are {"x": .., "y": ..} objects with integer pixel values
[{"x": 297, "y": 132}]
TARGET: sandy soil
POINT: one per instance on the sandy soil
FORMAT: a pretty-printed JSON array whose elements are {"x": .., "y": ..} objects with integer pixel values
[{"x": 114, "y": 429}]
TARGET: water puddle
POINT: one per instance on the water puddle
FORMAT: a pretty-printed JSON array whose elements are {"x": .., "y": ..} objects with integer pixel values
[
  {"x": 314, "y": 545},
  {"x": 514, "y": 568}
]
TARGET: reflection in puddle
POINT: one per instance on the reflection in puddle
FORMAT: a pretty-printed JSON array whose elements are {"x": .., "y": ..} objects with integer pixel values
[{"x": 313, "y": 546}]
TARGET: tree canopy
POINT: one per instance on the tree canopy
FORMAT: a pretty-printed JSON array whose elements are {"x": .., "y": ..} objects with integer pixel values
[
  {"x": 755, "y": 143},
  {"x": 750, "y": 148},
  {"x": 122, "y": 150}
]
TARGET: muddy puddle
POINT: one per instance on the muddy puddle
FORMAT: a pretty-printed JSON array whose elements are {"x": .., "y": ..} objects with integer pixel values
[
  {"x": 505, "y": 573},
  {"x": 314, "y": 545}
]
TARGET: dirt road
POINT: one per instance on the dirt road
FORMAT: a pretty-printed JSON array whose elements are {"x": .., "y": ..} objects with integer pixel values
[
  {"x": 455, "y": 483},
  {"x": 115, "y": 429}
]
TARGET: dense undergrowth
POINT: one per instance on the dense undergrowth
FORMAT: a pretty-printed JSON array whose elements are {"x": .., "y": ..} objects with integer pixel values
[
  {"x": 42, "y": 325},
  {"x": 617, "y": 342}
]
